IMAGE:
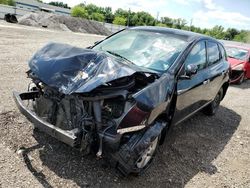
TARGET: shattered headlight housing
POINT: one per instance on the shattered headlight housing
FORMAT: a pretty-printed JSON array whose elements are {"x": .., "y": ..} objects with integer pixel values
[{"x": 135, "y": 120}]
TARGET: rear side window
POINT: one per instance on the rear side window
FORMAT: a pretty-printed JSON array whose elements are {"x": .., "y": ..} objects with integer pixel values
[
  {"x": 213, "y": 53},
  {"x": 197, "y": 56}
]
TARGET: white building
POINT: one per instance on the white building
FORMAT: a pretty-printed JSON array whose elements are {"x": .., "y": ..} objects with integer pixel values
[{"x": 34, "y": 6}]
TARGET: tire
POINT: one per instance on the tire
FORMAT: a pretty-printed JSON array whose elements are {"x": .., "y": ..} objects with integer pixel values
[
  {"x": 212, "y": 108},
  {"x": 137, "y": 164},
  {"x": 147, "y": 156}
]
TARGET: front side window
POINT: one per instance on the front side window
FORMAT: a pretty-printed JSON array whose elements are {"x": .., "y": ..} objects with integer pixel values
[
  {"x": 147, "y": 49},
  {"x": 213, "y": 53},
  {"x": 197, "y": 56}
]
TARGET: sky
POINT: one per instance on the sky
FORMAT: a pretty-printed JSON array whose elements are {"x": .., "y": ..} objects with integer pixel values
[{"x": 203, "y": 13}]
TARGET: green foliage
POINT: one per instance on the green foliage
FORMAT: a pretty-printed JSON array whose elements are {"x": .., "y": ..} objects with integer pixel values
[
  {"x": 248, "y": 37},
  {"x": 59, "y": 4},
  {"x": 121, "y": 13},
  {"x": 119, "y": 21},
  {"x": 8, "y": 2},
  {"x": 98, "y": 13},
  {"x": 144, "y": 18},
  {"x": 108, "y": 15},
  {"x": 130, "y": 18},
  {"x": 216, "y": 32},
  {"x": 97, "y": 16},
  {"x": 79, "y": 11},
  {"x": 243, "y": 36},
  {"x": 91, "y": 8},
  {"x": 179, "y": 23},
  {"x": 168, "y": 21},
  {"x": 231, "y": 33},
  {"x": 161, "y": 25}
]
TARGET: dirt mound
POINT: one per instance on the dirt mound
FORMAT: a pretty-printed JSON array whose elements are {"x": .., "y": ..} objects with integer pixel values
[{"x": 64, "y": 23}]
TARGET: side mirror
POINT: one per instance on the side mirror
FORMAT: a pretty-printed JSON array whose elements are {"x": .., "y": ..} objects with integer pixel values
[{"x": 190, "y": 70}]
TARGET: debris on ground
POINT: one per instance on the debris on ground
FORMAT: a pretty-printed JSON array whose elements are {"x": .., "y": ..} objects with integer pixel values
[{"x": 11, "y": 18}]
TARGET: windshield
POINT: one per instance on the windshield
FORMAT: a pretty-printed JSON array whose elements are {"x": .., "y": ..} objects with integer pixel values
[
  {"x": 145, "y": 49},
  {"x": 236, "y": 53}
]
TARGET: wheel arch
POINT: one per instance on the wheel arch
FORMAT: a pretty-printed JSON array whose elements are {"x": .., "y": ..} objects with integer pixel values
[
  {"x": 168, "y": 116},
  {"x": 224, "y": 87}
]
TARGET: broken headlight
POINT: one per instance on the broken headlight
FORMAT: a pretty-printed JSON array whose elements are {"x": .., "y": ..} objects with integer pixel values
[
  {"x": 135, "y": 119},
  {"x": 239, "y": 67}
]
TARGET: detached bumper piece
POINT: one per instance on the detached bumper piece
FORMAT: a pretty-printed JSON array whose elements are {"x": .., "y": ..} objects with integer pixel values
[{"x": 69, "y": 137}]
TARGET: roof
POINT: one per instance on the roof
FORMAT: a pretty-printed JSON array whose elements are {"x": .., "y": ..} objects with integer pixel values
[{"x": 186, "y": 34}]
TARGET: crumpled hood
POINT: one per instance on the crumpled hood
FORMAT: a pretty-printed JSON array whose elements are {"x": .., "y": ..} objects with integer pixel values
[
  {"x": 234, "y": 62},
  {"x": 76, "y": 70}
]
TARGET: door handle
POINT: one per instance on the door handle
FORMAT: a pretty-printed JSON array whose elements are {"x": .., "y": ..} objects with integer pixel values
[{"x": 206, "y": 82}]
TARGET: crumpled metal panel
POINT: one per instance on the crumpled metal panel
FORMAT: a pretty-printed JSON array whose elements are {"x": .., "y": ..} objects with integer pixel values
[
  {"x": 156, "y": 93},
  {"x": 74, "y": 70}
]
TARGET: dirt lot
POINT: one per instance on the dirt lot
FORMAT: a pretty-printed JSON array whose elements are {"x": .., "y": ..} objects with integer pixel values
[{"x": 201, "y": 152}]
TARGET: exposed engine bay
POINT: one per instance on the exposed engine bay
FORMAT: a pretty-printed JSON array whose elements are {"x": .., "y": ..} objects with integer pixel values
[
  {"x": 104, "y": 111},
  {"x": 105, "y": 103}
]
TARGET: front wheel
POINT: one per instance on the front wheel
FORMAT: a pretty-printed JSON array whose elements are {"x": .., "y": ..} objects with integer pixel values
[
  {"x": 212, "y": 108},
  {"x": 135, "y": 162},
  {"x": 147, "y": 156}
]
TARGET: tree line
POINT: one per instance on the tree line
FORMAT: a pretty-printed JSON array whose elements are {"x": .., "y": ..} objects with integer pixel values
[{"x": 130, "y": 18}]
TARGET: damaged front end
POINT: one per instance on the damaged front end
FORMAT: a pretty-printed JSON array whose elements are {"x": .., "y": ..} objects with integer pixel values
[
  {"x": 94, "y": 102},
  {"x": 237, "y": 74}
]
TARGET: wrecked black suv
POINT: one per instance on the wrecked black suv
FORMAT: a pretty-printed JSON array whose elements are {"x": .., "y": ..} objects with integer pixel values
[{"x": 119, "y": 98}]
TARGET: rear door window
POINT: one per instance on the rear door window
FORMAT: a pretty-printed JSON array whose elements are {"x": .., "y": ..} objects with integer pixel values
[{"x": 213, "y": 53}]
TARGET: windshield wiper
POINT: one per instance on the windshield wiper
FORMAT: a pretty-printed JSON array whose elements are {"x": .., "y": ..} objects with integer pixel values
[{"x": 118, "y": 55}]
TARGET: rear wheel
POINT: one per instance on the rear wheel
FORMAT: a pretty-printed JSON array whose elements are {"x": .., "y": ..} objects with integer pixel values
[{"x": 212, "y": 108}]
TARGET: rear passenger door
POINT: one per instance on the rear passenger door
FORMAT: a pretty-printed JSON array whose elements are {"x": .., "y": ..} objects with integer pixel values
[
  {"x": 192, "y": 93},
  {"x": 216, "y": 68}
]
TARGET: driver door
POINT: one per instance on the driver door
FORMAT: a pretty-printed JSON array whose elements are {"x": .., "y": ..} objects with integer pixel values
[{"x": 192, "y": 92}]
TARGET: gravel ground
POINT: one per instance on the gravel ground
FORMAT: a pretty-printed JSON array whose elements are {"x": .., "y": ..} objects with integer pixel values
[{"x": 201, "y": 152}]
